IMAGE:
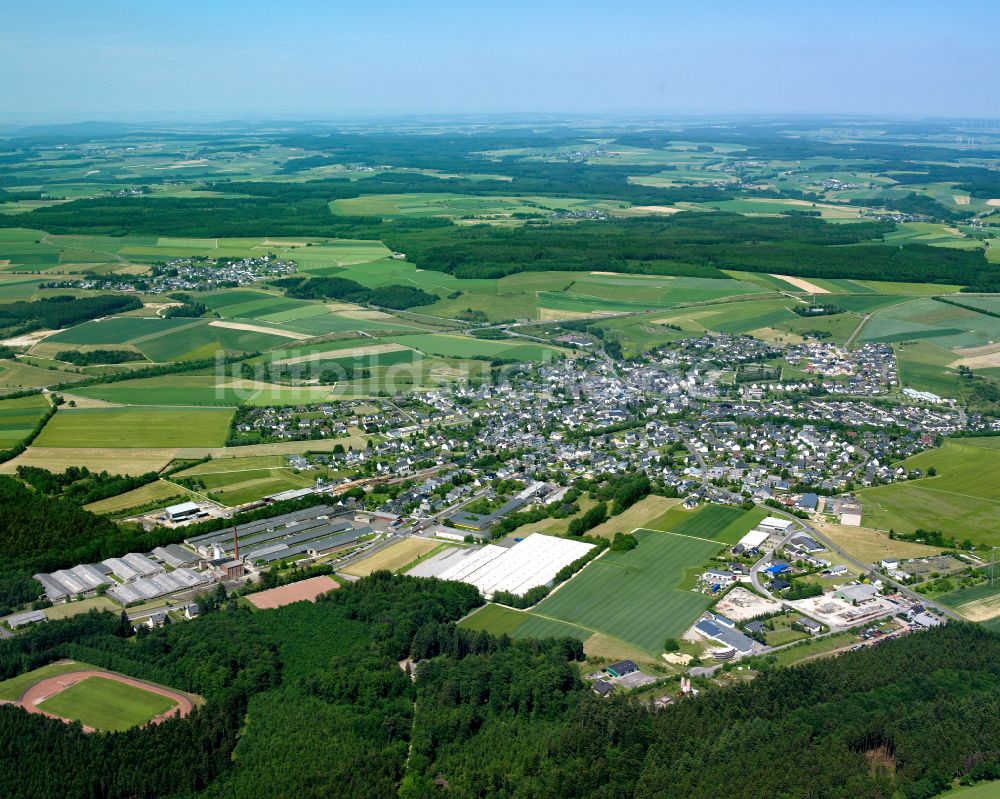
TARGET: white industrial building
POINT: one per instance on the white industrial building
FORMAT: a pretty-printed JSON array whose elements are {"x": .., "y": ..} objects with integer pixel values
[
  {"x": 754, "y": 539},
  {"x": 774, "y": 524}
]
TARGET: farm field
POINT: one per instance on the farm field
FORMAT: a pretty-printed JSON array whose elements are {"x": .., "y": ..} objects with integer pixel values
[
  {"x": 41, "y": 252},
  {"x": 946, "y": 325},
  {"x": 635, "y": 595},
  {"x": 979, "y": 603},
  {"x": 16, "y": 375},
  {"x": 498, "y": 620},
  {"x": 870, "y": 546},
  {"x": 456, "y": 206},
  {"x": 962, "y": 501},
  {"x": 638, "y": 515},
  {"x": 160, "y": 491},
  {"x": 121, "y": 460},
  {"x": 234, "y": 484},
  {"x": 394, "y": 557},
  {"x": 18, "y": 418},
  {"x": 136, "y": 427},
  {"x": 925, "y": 366},
  {"x": 107, "y": 704},
  {"x": 469, "y": 347},
  {"x": 721, "y": 523}
]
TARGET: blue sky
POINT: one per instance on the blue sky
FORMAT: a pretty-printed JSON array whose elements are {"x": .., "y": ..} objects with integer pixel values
[{"x": 150, "y": 59}]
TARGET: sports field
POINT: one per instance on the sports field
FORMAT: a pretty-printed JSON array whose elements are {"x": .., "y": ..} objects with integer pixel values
[
  {"x": 107, "y": 704},
  {"x": 11, "y": 689},
  {"x": 636, "y": 595},
  {"x": 302, "y": 591},
  {"x": 137, "y": 427},
  {"x": 963, "y": 500}
]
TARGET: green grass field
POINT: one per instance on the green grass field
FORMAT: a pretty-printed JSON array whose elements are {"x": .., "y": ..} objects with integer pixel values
[
  {"x": 924, "y": 365},
  {"x": 721, "y": 523},
  {"x": 635, "y": 596},
  {"x": 454, "y": 206},
  {"x": 469, "y": 347},
  {"x": 233, "y": 481},
  {"x": 962, "y": 501},
  {"x": 981, "y": 790},
  {"x": 159, "y": 491},
  {"x": 946, "y": 325},
  {"x": 498, "y": 620},
  {"x": 136, "y": 427},
  {"x": 18, "y": 418},
  {"x": 107, "y": 705}
]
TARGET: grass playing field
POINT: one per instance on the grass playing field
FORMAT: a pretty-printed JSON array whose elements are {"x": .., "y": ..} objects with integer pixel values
[
  {"x": 635, "y": 595},
  {"x": 137, "y": 427},
  {"x": 107, "y": 704},
  {"x": 962, "y": 501}
]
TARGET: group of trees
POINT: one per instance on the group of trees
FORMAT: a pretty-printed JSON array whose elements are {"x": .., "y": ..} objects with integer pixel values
[
  {"x": 339, "y": 288},
  {"x": 63, "y": 311},
  {"x": 186, "y": 310},
  {"x": 98, "y": 357},
  {"x": 80, "y": 485}
]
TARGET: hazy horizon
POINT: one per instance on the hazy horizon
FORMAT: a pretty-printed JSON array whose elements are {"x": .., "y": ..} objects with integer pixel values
[{"x": 308, "y": 60}]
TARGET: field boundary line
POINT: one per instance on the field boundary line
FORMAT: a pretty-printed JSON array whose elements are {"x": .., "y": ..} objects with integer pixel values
[
  {"x": 958, "y": 494},
  {"x": 681, "y": 535}
]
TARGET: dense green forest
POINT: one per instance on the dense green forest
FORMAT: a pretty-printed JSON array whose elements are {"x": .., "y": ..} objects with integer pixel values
[
  {"x": 338, "y": 288},
  {"x": 92, "y": 357},
  {"x": 63, "y": 311},
  {"x": 692, "y": 243},
  {"x": 310, "y": 700}
]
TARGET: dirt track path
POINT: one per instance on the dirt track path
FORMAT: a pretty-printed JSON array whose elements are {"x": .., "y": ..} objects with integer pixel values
[{"x": 50, "y": 686}]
